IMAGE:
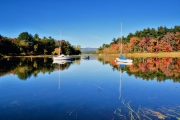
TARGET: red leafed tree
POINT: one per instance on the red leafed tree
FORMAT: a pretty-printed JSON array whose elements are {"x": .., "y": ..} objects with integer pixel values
[
  {"x": 144, "y": 43},
  {"x": 157, "y": 48},
  {"x": 165, "y": 47}
]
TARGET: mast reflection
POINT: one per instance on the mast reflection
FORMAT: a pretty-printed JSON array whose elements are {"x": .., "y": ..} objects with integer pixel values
[{"x": 61, "y": 63}]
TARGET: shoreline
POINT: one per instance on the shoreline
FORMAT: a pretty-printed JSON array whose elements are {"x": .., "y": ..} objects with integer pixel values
[
  {"x": 145, "y": 55},
  {"x": 161, "y": 54}
]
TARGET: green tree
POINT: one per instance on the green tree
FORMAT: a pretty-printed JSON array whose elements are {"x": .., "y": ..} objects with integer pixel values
[
  {"x": 25, "y": 36},
  {"x": 25, "y": 42},
  {"x": 36, "y": 37},
  {"x": 50, "y": 45}
]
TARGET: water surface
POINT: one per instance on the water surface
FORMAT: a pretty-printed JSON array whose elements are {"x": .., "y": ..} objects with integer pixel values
[{"x": 91, "y": 89}]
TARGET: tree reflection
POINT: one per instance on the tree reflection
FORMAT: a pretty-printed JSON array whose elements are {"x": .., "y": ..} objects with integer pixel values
[
  {"x": 26, "y": 67},
  {"x": 149, "y": 68}
]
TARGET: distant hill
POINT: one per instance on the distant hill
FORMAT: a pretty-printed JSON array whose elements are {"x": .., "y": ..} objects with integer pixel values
[{"x": 88, "y": 50}]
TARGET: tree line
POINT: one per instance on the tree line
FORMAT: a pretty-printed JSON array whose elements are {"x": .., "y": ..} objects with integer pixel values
[
  {"x": 151, "y": 40},
  {"x": 26, "y": 44}
]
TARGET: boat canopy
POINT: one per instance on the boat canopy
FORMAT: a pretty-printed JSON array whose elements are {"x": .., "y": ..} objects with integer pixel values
[{"x": 122, "y": 57}]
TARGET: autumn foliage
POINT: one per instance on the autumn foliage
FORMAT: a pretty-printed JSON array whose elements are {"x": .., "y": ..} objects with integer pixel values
[{"x": 162, "y": 40}]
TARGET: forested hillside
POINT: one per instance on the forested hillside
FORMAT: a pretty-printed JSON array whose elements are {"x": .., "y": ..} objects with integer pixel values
[{"x": 162, "y": 39}]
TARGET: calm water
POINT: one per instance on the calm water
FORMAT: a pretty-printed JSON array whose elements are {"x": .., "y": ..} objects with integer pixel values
[{"x": 94, "y": 89}]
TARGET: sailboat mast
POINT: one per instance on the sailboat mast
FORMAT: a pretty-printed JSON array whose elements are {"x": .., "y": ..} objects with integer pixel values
[
  {"x": 121, "y": 37},
  {"x": 60, "y": 44}
]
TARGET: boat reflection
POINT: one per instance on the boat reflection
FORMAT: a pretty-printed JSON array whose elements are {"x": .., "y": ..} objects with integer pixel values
[
  {"x": 61, "y": 62},
  {"x": 123, "y": 63}
]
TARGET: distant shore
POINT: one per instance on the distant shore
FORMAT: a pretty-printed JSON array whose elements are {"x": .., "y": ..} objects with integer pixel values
[{"x": 160, "y": 54}]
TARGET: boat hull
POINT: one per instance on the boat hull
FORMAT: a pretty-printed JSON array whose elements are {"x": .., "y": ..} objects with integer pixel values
[
  {"x": 62, "y": 57},
  {"x": 124, "y": 61}
]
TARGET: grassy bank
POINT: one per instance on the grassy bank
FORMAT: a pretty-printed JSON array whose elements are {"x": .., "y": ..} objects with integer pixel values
[
  {"x": 38, "y": 56},
  {"x": 34, "y": 56},
  {"x": 161, "y": 54}
]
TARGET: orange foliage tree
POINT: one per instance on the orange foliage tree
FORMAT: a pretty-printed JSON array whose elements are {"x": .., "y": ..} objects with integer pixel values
[{"x": 134, "y": 44}]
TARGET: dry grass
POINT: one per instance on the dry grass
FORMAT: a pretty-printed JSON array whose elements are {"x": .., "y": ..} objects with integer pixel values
[{"x": 161, "y": 54}]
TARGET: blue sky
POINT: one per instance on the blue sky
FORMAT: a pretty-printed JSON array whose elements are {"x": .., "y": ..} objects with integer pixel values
[{"x": 88, "y": 23}]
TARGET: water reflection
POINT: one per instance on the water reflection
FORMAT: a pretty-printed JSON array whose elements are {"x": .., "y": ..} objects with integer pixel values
[
  {"x": 63, "y": 64},
  {"x": 88, "y": 90},
  {"x": 152, "y": 68},
  {"x": 26, "y": 67},
  {"x": 126, "y": 110}
]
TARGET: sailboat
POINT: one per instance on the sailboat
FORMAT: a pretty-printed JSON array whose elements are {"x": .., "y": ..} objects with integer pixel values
[
  {"x": 61, "y": 56},
  {"x": 121, "y": 58}
]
